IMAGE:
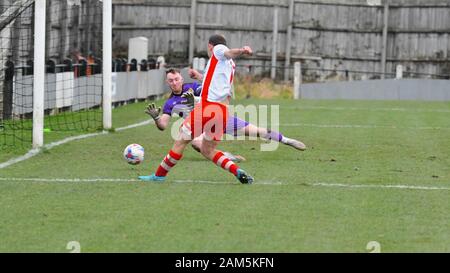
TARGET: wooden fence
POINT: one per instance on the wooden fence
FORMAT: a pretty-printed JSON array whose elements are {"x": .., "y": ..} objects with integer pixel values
[{"x": 328, "y": 36}]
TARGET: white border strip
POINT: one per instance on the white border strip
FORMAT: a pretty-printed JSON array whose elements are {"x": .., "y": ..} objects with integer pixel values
[
  {"x": 49, "y": 146},
  {"x": 271, "y": 183}
]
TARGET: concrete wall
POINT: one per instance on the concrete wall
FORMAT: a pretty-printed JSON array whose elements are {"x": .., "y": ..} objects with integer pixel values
[
  {"x": 405, "y": 89},
  {"x": 138, "y": 85}
]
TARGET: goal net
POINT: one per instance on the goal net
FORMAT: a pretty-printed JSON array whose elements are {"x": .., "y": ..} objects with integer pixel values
[{"x": 73, "y": 68}]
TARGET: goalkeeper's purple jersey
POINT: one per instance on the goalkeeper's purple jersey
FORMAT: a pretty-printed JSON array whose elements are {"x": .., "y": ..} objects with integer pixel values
[{"x": 175, "y": 103}]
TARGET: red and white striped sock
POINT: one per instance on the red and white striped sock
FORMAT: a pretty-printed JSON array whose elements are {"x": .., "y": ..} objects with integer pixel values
[
  {"x": 168, "y": 162},
  {"x": 221, "y": 160}
]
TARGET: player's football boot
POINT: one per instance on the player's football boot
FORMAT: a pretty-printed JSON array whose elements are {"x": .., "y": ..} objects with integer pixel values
[
  {"x": 153, "y": 178},
  {"x": 243, "y": 177}
]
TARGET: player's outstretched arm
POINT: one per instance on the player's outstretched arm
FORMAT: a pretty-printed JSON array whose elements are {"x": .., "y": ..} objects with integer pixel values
[
  {"x": 160, "y": 121},
  {"x": 236, "y": 52},
  {"x": 163, "y": 122},
  {"x": 194, "y": 74}
]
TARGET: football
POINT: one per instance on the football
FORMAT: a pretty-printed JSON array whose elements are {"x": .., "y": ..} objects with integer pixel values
[{"x": 134, "y": 154}]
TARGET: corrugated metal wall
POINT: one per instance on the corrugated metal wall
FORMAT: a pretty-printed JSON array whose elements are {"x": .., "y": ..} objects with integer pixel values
[{"x": 346, "y": 35}]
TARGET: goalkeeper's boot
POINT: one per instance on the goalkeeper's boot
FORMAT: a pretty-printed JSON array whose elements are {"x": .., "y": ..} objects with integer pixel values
[
  {"x": 295, "y": 143},
  {"x": 243, "y": 177},
  {"x": 152, "y": 178},
  {"x": 234, "y": 158}
]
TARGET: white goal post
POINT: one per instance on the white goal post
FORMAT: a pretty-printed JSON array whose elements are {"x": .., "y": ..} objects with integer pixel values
[
  {"x": 40, "y": 68},
  {"x": 39, "y": 73},
  {"x": 107, "y": 63}
]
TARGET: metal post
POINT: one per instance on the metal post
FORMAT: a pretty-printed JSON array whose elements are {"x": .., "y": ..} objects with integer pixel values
[
  {"x": 63, "y": 46},
  {"x": 39, "y": 74},
  {"x": 201, "y": 64},
  {"x": 195, "y": 63},
  {"x": 274, "y": 43},
  {"x": 192, "y": 29},
  {"x": 289, "y": 41},
  {"x": 107, "y": 64},
  {"x": 399, "y": 72},
  {"x": 297, "y": 80},
  {"x": 8, "y": 91},
  {"x": 385, "y": 33}
]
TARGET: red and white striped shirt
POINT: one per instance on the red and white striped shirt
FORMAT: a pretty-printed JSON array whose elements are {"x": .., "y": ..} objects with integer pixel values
[{"x": 219, "y": 76}]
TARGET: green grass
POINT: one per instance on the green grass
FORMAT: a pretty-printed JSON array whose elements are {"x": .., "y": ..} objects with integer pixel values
[
  {"x": 16, "y": 135},
  {"x": 391, "y": 146}
]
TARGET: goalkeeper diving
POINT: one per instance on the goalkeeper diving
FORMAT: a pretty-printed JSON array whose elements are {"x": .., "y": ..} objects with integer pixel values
[{"x": 182, "y": 100}]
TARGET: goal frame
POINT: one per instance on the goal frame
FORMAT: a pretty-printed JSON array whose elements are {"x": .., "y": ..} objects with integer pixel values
[{"x": 39, "y": 69}]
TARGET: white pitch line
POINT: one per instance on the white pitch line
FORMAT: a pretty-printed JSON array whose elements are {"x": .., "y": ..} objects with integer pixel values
[
  {"x": 231, "y": 182},
  {"x": 68, "y": 180},
  {"x": 408, "y": 187},
  {"x": 49, "y": 146},
  {"x": 367, "y": 109},
  {"x": 359, "y": 126},
  {"x": 134, "y": 125},
  {"x": 226, "y": 182},
  {"x": 95, "y": 180},
  {"x": 26, "y": 156}
]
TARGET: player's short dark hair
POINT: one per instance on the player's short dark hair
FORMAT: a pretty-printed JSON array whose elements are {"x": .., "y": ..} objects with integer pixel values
[
  {"x": 217, "y": 39},
  {"x": 172, "y": 71}
]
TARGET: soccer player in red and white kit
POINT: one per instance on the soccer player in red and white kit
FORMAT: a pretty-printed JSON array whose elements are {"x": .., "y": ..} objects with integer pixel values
[{"x": 209, "y": 117}]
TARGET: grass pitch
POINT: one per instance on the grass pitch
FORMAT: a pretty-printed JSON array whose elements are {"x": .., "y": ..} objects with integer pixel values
[{"x": 373, "y": 171}]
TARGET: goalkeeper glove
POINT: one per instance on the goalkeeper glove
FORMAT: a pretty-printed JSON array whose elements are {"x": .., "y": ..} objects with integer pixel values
[
  {"x": 189, "y": 96},
  {"x": 153, "y": 111}
]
